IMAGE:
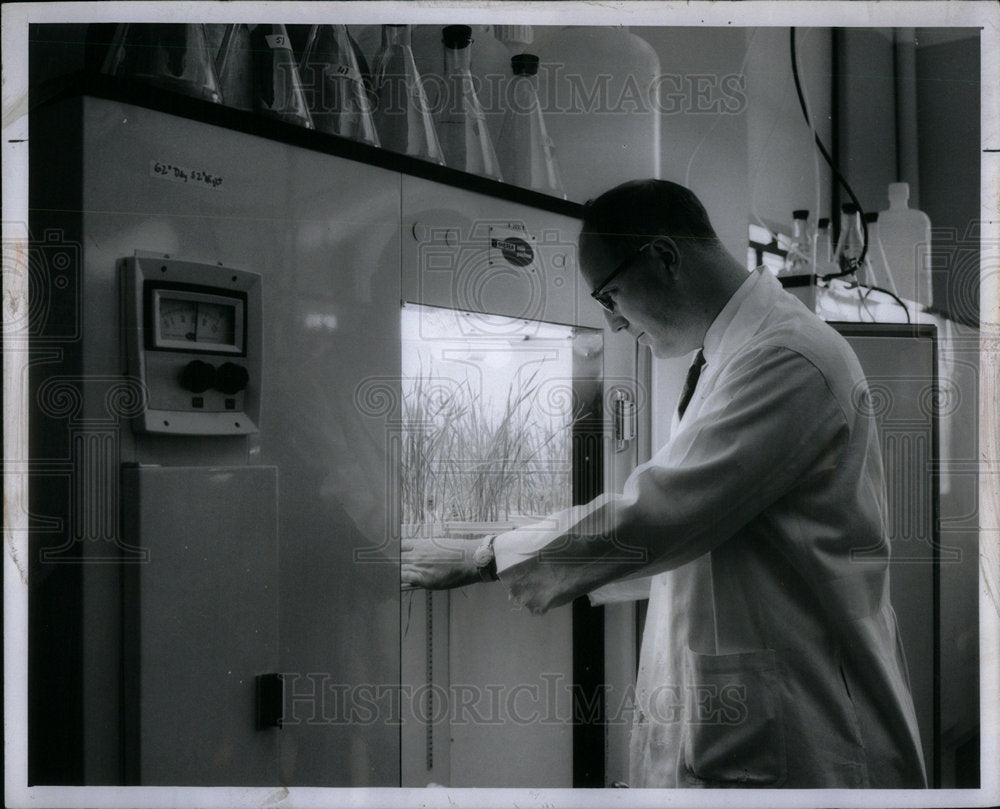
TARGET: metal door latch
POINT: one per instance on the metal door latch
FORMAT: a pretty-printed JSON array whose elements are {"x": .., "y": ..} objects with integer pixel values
[{"x": 625, "y": 418}]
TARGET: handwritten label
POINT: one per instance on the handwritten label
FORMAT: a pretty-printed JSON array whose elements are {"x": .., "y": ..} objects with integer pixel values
[
  {"x": 276, "y": 41},
  {"x": 342, "y": 72},
  {"x": 179, "y": 174}
]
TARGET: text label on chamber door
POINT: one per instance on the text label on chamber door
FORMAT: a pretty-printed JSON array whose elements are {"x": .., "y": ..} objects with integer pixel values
[{"x": 180, "y": 174}]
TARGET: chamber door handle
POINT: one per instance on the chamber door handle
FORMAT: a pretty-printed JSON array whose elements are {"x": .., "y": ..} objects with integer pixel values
[
  {"x": 625, "y": 418},
  {"x": 270, "y": 701}
]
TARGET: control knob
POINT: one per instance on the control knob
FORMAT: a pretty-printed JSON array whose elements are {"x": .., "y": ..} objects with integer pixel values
[
  {"x": 197, "y": 376},
  {"x": 231, "y": 378}
]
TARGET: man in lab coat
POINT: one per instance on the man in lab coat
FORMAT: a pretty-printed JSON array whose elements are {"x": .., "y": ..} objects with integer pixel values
[{"x": 771, "y": 655}]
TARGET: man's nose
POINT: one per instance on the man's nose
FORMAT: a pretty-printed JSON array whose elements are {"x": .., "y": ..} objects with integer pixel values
[{"x": 615, "y": 321}]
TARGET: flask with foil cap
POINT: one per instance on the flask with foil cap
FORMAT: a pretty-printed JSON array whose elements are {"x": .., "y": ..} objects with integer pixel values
[
  {"x": 465, "y": 136},
  {"x": 402, "y": 114},
  {"x": 173, "y": 56},
  {"x": 526, "y": 152},
  {"x": 277, "y": 88},
  {"x": 338, "y": 101},
  {"x": 906, "y": 237}
]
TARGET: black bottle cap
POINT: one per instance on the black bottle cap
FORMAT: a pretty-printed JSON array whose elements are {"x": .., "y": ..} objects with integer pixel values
[
  {"x": 823, "y": 223},
  {"x": 800, "y": 214},
  {"x": 456, "y": 36},
  {"x": 524, "y": 64},
  {"x": 849, "y": 207},
  {"x": 871, "y": 217}
]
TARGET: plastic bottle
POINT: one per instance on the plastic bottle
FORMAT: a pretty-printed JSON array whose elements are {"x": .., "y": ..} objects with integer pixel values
[
  {"x": 277, "y": 88},
  {"x": 526, "y": 153},
  {"x": 465, "y": 137},
  {"x": 338, "y": 100},
  {"x": 906, "y": 238},
  {"x": 402, "y": 115},
  {"x": 172, "y": 56},
  {"x": 598, "y": 90}
]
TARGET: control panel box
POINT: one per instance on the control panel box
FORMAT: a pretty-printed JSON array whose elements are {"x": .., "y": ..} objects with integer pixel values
[{"x": 193, "y": 340}]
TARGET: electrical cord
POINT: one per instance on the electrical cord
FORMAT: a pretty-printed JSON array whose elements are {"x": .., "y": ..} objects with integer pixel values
[
  {"x": 856, "y": 263},
  {"x": 892, "y": 295}
]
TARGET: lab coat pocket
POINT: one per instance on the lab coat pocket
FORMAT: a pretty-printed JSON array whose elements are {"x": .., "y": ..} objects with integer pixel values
[{"x": 733, "y": 732}]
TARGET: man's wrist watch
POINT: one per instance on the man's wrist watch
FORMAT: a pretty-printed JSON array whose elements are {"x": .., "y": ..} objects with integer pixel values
[{"x": 485, "y": 560}]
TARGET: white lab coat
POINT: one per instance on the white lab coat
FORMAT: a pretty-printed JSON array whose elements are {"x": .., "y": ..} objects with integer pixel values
[{"x": 771, "y": 655}]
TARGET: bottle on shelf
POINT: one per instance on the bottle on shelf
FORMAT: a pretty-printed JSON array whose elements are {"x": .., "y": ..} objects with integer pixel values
[
  {"x": 173, "y": 56},
  {"x": 526, "y": 152},
  {"x": 490, "y": 68},
  {"x": 233, "y": 63},
  {"x": 402, "y": 115},
  {"x": 461, "y": 122},
  {"x": 277, "y": 88},
  {"x": 906, "y": 237},
  {"x": 338, "y": 101}
]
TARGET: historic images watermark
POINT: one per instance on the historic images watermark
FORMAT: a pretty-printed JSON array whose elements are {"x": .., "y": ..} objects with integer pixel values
[{"x": 318, "y": 698}]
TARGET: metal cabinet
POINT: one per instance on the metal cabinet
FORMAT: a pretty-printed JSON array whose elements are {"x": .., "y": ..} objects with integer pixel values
[{"x": 275, "y": 552}]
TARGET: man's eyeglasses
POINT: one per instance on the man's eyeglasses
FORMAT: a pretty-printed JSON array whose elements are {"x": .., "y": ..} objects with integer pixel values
[{"x": 604, "y": 298}]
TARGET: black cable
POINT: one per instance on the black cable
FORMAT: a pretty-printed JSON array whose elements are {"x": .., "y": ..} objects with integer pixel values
[
  {"x": 892, "y": 295},
  {"x": 856, "y": 265}
]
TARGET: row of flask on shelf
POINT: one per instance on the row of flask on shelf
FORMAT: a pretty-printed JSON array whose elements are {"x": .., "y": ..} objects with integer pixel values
[
  {"x": 330, "y": 88},
  {"x": 898, "y": 248}
]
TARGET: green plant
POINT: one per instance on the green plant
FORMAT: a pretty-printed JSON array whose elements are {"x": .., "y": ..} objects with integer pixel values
[{"x": 462, "y": 463}]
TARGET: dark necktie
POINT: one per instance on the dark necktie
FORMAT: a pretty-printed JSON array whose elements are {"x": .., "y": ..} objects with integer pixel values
[{"x": 691, "y": 382}]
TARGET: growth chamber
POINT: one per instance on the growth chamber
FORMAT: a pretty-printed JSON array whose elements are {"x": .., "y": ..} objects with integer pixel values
[{"x": 260, "y": 356}]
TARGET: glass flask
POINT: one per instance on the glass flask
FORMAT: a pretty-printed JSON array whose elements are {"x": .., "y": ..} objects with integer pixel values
[
  {"x": 173, "y": 56},
  {"x": 339, "y": 102},
  {"x": 462, "y": 127},
  {"x": 876, "y": 264},
  {"x": 277, "y": 88},
  {"x": 824, "y": 249},
  {"x": 233, "y": 64},
  {"x": 851, "y": 239},
  {"x": 526, "y": 152},
  {"x": 402, "y": 115},
  {"x": 598, "y": 151},
  {"x": 799, "y": 258}
]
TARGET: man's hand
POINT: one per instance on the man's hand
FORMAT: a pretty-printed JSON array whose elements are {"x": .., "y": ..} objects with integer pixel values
[{"x": 439, "y": 563}]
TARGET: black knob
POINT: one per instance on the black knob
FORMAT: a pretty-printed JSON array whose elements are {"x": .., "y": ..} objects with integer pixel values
[
  {"x": 197, "y": 376},
  {"x": 231, "y": 378}
]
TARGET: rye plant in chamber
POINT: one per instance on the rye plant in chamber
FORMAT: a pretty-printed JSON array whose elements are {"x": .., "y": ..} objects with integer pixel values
[{"x": 469, "y": 468}]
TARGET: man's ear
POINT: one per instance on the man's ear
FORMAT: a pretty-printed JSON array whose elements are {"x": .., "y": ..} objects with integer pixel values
[{"x": 665, "y": 248}]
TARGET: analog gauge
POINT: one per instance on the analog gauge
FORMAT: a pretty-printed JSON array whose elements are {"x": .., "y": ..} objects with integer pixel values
[
  {"x": 178, "y": 319},
  {"x": 216, "y": 323}
]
